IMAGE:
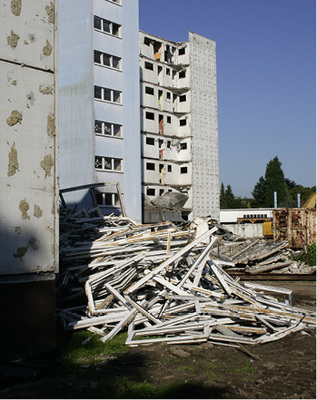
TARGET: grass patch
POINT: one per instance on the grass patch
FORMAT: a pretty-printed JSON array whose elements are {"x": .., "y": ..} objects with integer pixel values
[
  {"x": 247, "y": 370},
  {"x": 83, "y": 347}
]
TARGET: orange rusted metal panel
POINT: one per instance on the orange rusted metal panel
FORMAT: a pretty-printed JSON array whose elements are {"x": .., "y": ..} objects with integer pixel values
[{"x": 296, "y": 225}]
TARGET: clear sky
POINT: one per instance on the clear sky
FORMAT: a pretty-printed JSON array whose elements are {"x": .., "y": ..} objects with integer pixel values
[{"x": 266, "y": 80}]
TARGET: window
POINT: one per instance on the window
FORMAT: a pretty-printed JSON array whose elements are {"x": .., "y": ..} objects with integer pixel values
[
  {"x": 150, "y": 141},
  {"x": 108, "y": 163},
  {"x": 148, "y": 65},
  {"x": 150, "y": 166},
  {"x": 183, "y": 170},
  {"x": 114, "y": 96},
  {"x": 168, "y": 71},
  {"x": 150, "y": 192},
  {"x": 161, "y": 192},
  {"x": 169, "y": 168},
  {"x": 149, "y": 90},
  {"x": 168, "y": 95},
  {"x": 183, "y": 146},
  {"x": 107, "y": 26},
  {"x": 149, "y": 115},
  {"x": 182, "y": 98},
  {"x": 107, "y": 60},
  {"x": 181, "y": 51},
  {"x": 169, "y": 120},
  {"x": 182, "y": 74},
  {"x": 182, "y": 122},
  {"x": 107, "y": 199},
  {"x": 107, "y": 128},
  {"x": 168, "y": 145},
  {"x": 147, "y": 41}
]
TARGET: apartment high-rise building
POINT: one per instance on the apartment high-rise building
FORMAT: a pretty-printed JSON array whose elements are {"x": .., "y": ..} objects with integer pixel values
[
  {"x": 179, "y": 125},
  {"x": 98, "y": 96}
]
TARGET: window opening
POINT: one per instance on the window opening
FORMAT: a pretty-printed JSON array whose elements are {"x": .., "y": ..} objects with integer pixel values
[
  {"x": 182, "y": 74},
  {"x": 169, "y": 120},
  {"x": 168, "y": 71},
  {"x": 148, "y": 65},
  {"x": 149, "y": 115},
  {"x": 183, "y": 146},
  {"x": 181, "y": 51},
  {"x": 182, "y": 98},
  {"x": 149, "y": 90},
  {"x": 182, "y": 122},
  {"x": 169, "y": 168},
  {"x": 150, "y": 192},
  {"x": 183, "y": 170},
  {"x": 150, "y": 166},
  {"x": 150, "y": 141}
]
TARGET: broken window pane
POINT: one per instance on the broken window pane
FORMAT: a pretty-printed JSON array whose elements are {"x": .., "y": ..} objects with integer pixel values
[
  {"x": 116, "y": 96},
  {"x": 116, "y": 130},
  {"x": 98, "y": 127},
  {"x": 107, "y": 128},
  {"x": 107, "y": 162},
  {"x": 98, "y": 162},
  {"x": 117, "y": 164}
]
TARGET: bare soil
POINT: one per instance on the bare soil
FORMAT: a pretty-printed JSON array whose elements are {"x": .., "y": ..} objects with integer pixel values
[{"x": 284, "y": 369}]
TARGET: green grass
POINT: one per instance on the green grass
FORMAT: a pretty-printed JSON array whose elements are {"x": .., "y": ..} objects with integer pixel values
[
  {"x": 247, "y": 370},
  {"x": 83, "y": 347}
]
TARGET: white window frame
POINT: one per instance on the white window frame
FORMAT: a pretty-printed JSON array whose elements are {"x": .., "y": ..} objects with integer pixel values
[
  {"x": 109, "y": 164},
  {"x": 117, "y": 133},
  {"x": 112, "y": 60},
  {"x": 113, "y": 93},
  {"x": 113, "y": 26}
]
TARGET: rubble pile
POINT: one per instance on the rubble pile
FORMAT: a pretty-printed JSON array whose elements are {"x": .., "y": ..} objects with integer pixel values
[
  {"x": 162, "y": 284},
  {"x": 259, "y": 255}
]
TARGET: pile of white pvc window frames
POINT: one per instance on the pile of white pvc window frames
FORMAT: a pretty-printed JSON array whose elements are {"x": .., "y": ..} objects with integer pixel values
[{"x": 163, "y": 284}]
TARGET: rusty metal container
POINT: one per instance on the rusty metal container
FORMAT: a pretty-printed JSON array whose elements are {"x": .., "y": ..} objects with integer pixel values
[{"x": 296, "y": 225}]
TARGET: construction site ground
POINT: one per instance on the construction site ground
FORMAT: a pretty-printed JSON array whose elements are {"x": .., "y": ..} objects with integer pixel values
[{"x": 285, "y": 368}]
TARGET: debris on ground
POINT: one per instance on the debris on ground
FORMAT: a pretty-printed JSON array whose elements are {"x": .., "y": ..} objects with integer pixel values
[{"x": 163, "y": 283}]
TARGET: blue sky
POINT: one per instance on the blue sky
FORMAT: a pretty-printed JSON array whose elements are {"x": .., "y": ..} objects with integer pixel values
[{"x": 266, "y": 80}]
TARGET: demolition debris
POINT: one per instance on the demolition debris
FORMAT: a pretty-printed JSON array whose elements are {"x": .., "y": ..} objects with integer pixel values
[{"x": 163, "y": 283}]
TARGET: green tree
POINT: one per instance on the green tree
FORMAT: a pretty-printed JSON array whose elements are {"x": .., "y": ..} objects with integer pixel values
[
  {"x": 275, "y": 182},
  {"x": 259, "y": 193},
  {"x": 230, "y": 199},
  {"x": 223, "y": 203}
]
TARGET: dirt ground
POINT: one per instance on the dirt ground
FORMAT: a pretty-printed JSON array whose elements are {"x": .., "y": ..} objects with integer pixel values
[{"x": 284, "y": 369}]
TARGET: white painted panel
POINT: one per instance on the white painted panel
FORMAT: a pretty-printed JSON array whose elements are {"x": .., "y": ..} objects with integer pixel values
[{"x": 28, "y": 171}]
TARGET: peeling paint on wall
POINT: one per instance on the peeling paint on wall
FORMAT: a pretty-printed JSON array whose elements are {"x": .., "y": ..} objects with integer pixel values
[
  {"x": 16, "y": 6},
  {"x": 24, "y": 207},
  {"x": 51, "y": 128},
  {"x": 50, "y": 10},
  {"x": 15, "y": 117},
  {"x": 46, "y": 89},
  {"x": 13, "y": 165},
  {"x": 13, "y": 39},
  {"x": 38, "y": 212},
  {"x": 47, "y": 163},
  {"x": 47, "y": 50},
  {"x": 21, "y": 251}
]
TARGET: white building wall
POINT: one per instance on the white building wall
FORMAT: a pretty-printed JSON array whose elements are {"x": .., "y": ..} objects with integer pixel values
[
  {"x": 204, "y": 126},
  {"x": 28, "y": 151},
  {"x": 79, "y": 73}
]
